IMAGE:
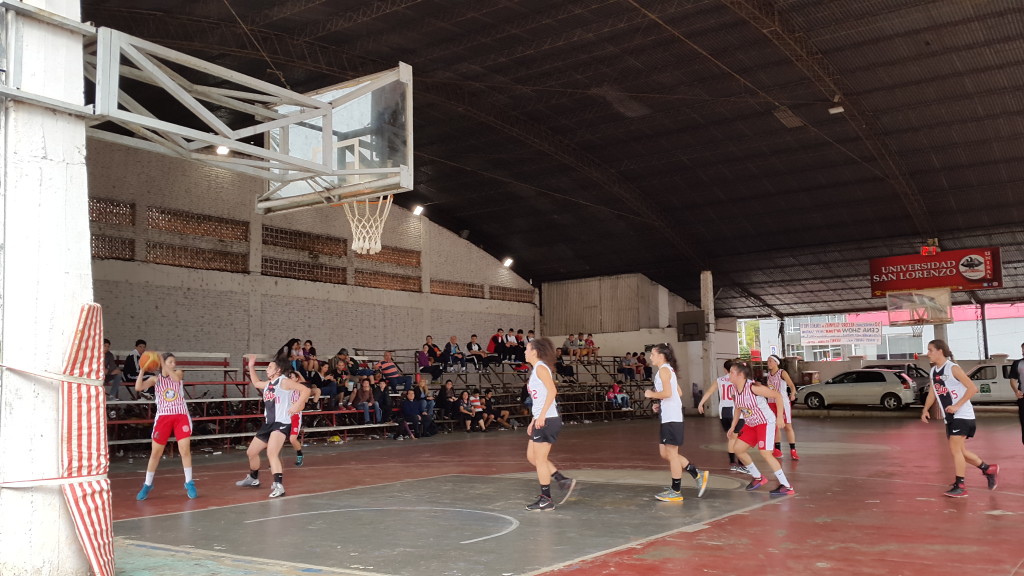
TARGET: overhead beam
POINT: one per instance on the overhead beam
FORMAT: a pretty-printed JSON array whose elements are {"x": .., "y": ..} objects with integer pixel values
[
  {"x": 342, "y": 21},
  {"x": 764, "y": 15}
]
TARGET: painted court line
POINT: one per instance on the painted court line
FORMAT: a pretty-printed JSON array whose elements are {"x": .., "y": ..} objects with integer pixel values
[
  {"x": 514, "y": 523},
  {"x": 283, "y": 568}
]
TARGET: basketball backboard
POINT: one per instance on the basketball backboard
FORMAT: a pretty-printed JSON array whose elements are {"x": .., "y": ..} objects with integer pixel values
[
  {"x": 920, "y": 307},
  {"x": 365, "y": 144}
]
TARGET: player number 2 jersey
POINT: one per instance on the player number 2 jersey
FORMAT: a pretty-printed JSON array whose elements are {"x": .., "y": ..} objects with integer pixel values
[{"x": 539, "y": 393}]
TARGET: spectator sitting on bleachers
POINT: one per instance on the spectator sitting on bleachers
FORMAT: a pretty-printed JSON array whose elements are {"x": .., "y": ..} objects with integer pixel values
[
  {"x": 592, "y": 348},
  {"x": 383, "y": 399},
  {"x": 426, "y": 363},
  {"x": 392, "y": 374},
  {"x": 566, "y": 372},
  {"x": 617, "y": 396},
  {"x": 453, "y": 354},
  {"x": 525, "y": 399},
  {"x": 362, "y": 399},
  {"x": 493, "y": 414},
  {"x": 131, "y": 362},
  {"x": 584, "y": 352},
  {"x": 572, "y": 346},
  {"x": 324, "y": 380},
  {"x": 496, "y": 345},
  {"x": 415, "y": 420},
  {"x": 530, "y": 337},
  {"x": 478, "y": 409},
  {"x": 309, "y": 361},
  {"x": 425, "y": 397},
  {"x": 627, "y": 366},
  {"x": 476, "y": 353},
  {"x": 448, "y": 400},
  {"x": 434, "y": 349},
  {"x": 111, "y": 373},
  {"x": 466, "y": 414},
  {"x": 291, "y": 352},
  {"x": 513, "y": 348},
  {"x": 643, "y": 369}
]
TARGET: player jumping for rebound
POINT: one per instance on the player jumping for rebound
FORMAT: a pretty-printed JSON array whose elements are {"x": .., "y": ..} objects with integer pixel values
[{"x": 277, "y": 396}]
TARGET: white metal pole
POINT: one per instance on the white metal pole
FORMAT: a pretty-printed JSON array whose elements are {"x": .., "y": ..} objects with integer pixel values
[{"x": 46, "y": 276}]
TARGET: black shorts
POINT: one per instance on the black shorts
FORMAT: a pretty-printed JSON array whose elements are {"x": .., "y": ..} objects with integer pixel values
[
  {"x": 672, "y": 433},
  {"x": 726, "y": 420},
  {"x": 549, "y": 433},
  {"x": 267, "y": 429},
  {"x": 960, "y": 427}
]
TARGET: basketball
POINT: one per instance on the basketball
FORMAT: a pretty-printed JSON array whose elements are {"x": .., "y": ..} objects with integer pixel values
[{"x": 149, "y": 362}]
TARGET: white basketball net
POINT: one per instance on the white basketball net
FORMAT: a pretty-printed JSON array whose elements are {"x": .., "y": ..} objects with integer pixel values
[
  {"x": 917, "y": 330},
  {"x": 367, "y": 220}
]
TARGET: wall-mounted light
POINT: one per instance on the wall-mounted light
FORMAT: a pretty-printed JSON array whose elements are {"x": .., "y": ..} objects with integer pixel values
[
  {"x": 417, "y": 210},
  {"x": 507, "y": 262},
  {"x": 223, "y": 150}
]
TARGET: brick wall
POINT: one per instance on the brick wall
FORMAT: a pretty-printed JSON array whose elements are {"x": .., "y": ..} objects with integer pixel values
[{"x": 295, "y": 276}]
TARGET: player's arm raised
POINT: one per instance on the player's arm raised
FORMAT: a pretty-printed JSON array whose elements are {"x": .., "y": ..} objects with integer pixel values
[{"x": 250, "y": 360}]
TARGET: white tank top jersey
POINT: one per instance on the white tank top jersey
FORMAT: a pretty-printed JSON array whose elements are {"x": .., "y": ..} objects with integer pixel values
[
  {"x": 949, "y": 391},
  {"x": 276, "y": 402},
  {"x": 671, "y": 407},
  {"x": 754, "y": 409},
  {"x": 170, "y": 397},
  {"x": 539, "y": 393},
  {"x": 726, "y": 393}
]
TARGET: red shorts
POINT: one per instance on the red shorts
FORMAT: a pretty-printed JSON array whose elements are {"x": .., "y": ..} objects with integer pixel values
[
  {"x": 296, "y": 424},
  {"x": 760, "y": 436},
  {"x": 167, "y": 425}
]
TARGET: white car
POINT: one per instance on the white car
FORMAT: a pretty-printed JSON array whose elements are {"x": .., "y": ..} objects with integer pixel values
[
  {"x": 892, "y": 389},
  {"x": 993, "y": 382}
]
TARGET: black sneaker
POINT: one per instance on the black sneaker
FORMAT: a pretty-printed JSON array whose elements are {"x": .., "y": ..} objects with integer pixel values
[
  {"x": 783, "y": 491},
  {"x": 566, "y": 485},
  {"x": 542, "y": 503},
  {"x": 990, "y": 475},
  {"x": 957, "y": 491}
]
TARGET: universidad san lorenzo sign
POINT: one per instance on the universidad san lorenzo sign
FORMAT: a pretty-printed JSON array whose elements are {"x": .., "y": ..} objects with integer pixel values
[
  {"x": 958, "y": 270},
  {"x": 819, "y": 333}
]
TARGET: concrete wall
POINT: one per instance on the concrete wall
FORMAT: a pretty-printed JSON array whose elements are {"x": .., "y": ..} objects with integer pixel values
[{"x": 191, "y": 310}]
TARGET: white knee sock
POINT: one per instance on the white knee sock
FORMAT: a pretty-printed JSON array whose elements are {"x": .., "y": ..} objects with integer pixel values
[
  {"x": 149, "y": 478},
  {"x": 782, "y": 477},
  {"x": 753, "y": 471},
  {"x": 188, "y": 474}
]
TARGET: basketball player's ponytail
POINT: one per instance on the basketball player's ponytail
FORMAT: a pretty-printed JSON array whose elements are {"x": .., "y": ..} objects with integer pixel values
[{"x": 669, "y": 354}]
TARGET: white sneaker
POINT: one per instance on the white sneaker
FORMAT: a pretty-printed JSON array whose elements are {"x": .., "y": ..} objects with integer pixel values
[
  {"x": 276, "y": 489},
  {"x": 248, "y": 481}
]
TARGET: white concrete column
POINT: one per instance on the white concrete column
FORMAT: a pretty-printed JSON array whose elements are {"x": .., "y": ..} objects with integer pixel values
[
  {"x": 47, "y": 276},
  {"x": 940, "y": 334},
  {"x": 709, "y": 370}
]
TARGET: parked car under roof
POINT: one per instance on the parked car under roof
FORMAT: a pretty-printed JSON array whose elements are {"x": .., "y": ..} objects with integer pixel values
[{"x": 891, "y": 389}]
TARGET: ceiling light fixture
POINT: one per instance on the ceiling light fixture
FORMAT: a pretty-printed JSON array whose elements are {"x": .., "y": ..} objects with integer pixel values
[
  {"x": 417, "y": 210},
  {"x": 507, "y": 262},
  {"x": 223, "y": 150},
  {"x": 836, "y": 110}
]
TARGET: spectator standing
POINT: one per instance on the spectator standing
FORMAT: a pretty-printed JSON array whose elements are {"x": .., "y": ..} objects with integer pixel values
[
  {"x": 1016, "y": 370},
  {"x": 111, "y": 373}
]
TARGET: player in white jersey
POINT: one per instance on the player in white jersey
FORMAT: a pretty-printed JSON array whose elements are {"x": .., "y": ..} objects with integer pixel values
[
  {"x": 760, "y": 426},
  {"x": 172, "y": 419},
  {"x": 666, "y": 389},
  {"x": 279, "y": 407},
  {"x": 954, "y": 389},
  {"x": 545, "y": 425},
  {"x": 726, "y": 394},
  {"x": 780, "y": 381}
]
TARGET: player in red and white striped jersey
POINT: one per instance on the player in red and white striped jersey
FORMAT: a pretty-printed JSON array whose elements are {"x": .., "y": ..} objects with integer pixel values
[
  {"x": 726, "y": 403},
  {"x": 759, "y": 428},
  {"x": 780, "y": 381},
  {"x": 172, "y": 419}
]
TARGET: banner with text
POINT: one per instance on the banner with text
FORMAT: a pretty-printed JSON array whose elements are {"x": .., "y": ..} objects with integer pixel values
[
  {"x": 958, "y": 270},
  {"x": 818, "y": 333}
]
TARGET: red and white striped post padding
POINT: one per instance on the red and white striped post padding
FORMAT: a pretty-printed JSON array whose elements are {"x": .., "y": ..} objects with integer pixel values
[{"x": 84, "y": 451}]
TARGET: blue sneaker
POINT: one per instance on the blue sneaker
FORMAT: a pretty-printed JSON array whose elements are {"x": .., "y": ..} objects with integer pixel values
[
  {"x": 144, "y": 493},
  {"x": 298, "y": 460},
  {"x": 190, "y": 489}
]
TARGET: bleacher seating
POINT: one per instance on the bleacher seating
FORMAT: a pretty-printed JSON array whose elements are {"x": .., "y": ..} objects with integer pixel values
[{"x": 228, "y": 411}]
